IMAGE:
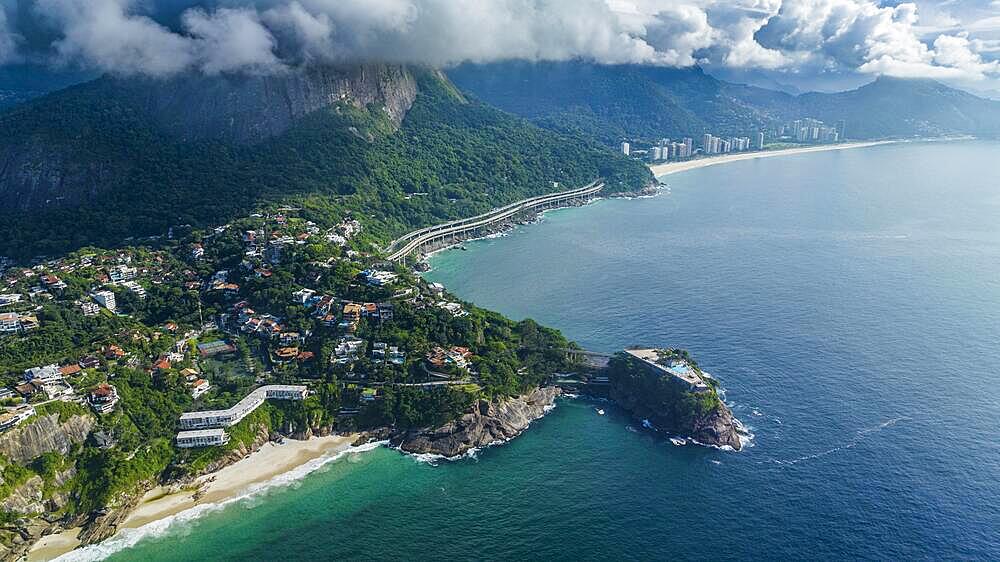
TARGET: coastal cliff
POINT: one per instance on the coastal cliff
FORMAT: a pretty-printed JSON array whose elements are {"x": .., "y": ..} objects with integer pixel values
[
  {"x": 486, "y": 423},
  {"x": 668, "y": 403}
]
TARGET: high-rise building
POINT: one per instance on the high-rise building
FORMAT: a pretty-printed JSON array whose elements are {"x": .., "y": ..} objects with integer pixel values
[
  {"x": 656, "y": 153},
  {"x": 626, "y": 149},
  {"x": 688, "y": 146},
  {"x": 760, "y": 140},
  {"x": 106, "y": 299},
  {"x": 706, "y": 143}
]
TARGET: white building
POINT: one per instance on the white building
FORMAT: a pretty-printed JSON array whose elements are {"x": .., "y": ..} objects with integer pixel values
[
  {"x": 106, "y": 299},
  {"x": 43, "y": 375},
  {"x": 243, "y": 408},
  {"x": 202, "y": 438},
  {"x": 121, "y": 273},
  {"x": 10, "y": 298},
  {"x": 199, "y": 387},
  {"x": 10, "y": 322},
  {"x": 135, "y": 288},
  {"x": 626, "y": 149},
  {"x": 103, "y": 399},
  {"x": 89, "y": 308}
]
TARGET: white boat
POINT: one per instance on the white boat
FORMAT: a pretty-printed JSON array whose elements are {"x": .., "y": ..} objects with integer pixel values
[
  {"x": 600, "y": 412},
  {"x": 678, "y": 441}
]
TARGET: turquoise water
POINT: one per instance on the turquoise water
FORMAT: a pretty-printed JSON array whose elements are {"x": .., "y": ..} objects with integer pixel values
[{"x": 848, "y": 301}]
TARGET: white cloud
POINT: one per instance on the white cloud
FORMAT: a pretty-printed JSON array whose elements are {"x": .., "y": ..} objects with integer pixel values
[
  {"x": 103, "y": 33},
  {"x": 828, "y": 36},
  {"x": 229, "y": 40},
  {"x": 8, "y": 39}
]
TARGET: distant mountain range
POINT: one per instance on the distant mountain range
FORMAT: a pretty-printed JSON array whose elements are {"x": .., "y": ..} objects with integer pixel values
[
  {"x": 614, "y": 102},
  {"x": 115, "y": 158}
]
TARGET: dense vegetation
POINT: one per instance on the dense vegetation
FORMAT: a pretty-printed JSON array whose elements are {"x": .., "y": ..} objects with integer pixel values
[
  {"x": 126, "y": 177},
  {"x": 658, "y": 397}
]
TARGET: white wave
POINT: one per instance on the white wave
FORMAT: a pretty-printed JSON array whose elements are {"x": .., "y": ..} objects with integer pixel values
[
  {"x": 756, "y": 412},
  {"x": 180, "y": 523},
  {"x": 860, "y": 436}
]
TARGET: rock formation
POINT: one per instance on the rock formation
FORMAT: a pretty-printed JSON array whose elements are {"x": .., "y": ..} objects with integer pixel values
[{"x": 486, "y": 423}]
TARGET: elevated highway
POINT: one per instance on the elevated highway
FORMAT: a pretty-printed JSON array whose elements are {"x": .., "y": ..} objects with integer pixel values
[{"x": 464, "y": 228}]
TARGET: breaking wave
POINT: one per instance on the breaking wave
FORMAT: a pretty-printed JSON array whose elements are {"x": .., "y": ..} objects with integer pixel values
[{"x": 127, "y": 538}]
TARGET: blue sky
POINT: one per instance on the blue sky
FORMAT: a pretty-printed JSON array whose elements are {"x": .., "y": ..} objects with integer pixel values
[{"x": 811, "y": 44}]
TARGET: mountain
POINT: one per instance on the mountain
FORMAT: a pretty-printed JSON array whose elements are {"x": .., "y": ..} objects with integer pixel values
[
  {"x": 612, "y": 102},
  {"x": 894, "y": 107},
  {"x": 115, "y": 158}
]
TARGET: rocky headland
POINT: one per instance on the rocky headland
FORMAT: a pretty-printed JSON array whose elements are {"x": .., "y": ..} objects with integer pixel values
[{"x": 485, "y": 423}]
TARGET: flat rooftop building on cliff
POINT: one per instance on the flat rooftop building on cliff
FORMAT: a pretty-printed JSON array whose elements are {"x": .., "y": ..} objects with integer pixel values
[
  {"x": 201, "y": 438},
  {"x": 243, "y": 408},
  {"x": 677, "y": 369}
]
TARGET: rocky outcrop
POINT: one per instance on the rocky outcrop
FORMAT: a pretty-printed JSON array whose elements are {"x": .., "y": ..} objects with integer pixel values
[
  {"x": 663, "y": 404},
  {"x": 45, "y": 434},
  {"x": 486, "y": 423},
  {"x": 248, "y": 109}
]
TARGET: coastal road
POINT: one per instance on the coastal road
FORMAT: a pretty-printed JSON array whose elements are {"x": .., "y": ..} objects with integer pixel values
[{"x": 403, "y": 246}]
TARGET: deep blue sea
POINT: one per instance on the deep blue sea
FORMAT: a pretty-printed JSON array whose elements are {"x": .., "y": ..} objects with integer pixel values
[{"x": 849, "y": 301}]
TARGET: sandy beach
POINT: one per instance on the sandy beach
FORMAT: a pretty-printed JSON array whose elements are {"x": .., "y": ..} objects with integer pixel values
[
  {"x": 674, "y": 167},
  {"x": 231, "y": 482}
]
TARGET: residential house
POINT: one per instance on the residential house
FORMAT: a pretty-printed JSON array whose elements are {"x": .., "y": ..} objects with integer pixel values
[
  {"x": 199, "y": 387},
  {"x": 103, "y": 398},
  {"x": 89, "y": 308},
  {"x": 10, "y": 322}
]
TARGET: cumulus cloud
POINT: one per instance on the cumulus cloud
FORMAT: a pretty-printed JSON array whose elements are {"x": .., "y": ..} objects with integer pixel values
[{"x": 271, "y": 35}]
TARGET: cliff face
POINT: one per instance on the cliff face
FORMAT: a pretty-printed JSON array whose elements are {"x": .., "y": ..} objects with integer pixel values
[
  {"x": 249, "y": 109},
  {"x": 44, "y": 434},
  {"x": 76, "y": 146},
  {"x": 487, "y": 423},
  {"x": 669, "y": 407}
]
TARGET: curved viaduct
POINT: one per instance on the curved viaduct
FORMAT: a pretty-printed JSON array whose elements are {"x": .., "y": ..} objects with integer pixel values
[{"x": 449, "y": 231}]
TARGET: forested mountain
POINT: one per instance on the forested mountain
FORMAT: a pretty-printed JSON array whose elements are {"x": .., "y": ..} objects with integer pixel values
[
  {"x": 645, "y": 102},
  {"x": 611, "y": 102},
  {"x": 897, "y": 107},
  {"x": 116, "y": 158}
]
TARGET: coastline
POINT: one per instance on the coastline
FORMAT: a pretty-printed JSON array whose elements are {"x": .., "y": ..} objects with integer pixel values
[
  {"x": 675, "y": 167},
  {"x": 228, "y": 484}
]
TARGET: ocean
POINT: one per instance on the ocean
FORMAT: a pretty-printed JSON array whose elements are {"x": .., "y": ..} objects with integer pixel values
[{"x": 848, "y": 301}]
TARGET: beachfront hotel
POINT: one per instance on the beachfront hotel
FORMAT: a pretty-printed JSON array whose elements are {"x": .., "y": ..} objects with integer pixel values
[
  {"x": 243, "y": 408},
  {"x": 201, "y": 438}
]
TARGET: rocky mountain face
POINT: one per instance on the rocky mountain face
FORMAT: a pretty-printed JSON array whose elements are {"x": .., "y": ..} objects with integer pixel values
[
  {"x": 248, "y": 109},
  {"x": 35, "y": 503},
  {"x": 72, "y": 147},
  {"x": 486, "y": 423},
  {"x": 45, "y": 434}
]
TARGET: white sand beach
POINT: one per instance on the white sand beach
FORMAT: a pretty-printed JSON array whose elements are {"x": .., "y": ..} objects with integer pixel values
[
  {"x": 231, "y": 482},
  {"x": 674, "y": 167}
]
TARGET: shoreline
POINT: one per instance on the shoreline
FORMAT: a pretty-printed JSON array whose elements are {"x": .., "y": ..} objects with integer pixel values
[
  {"x": 674, "y": 167},
  {"x": 247, "y": 476}
]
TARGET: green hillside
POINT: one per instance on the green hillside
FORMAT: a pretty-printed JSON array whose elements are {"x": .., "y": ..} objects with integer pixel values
[{"x": 126, "y": 177}]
